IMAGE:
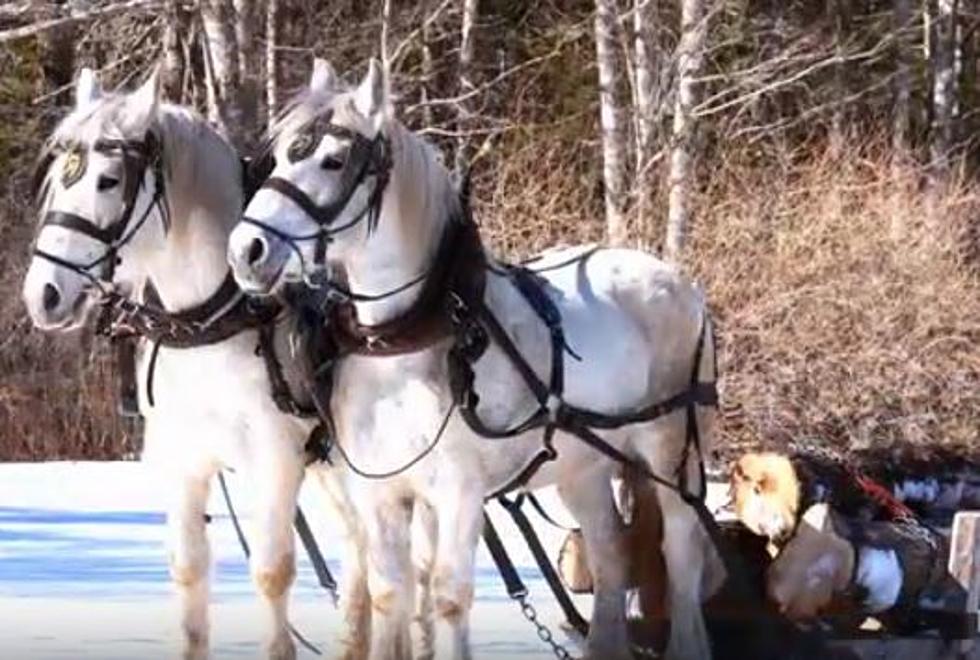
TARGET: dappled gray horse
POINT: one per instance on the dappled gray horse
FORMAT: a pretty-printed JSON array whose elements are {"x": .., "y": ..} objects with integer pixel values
[{"x": 354, "y": 189}]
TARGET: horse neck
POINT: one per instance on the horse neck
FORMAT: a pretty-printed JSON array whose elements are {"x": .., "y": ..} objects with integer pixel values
[
  {"x": 414, "y": 211},
  {"x": 204, "y": 194}
]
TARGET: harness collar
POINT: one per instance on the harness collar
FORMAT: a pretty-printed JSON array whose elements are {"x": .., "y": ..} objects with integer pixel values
[{"x": 457, "y": 272}]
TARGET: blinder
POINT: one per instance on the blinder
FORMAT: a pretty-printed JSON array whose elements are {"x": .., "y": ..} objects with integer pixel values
[{"x": 137, "y": 156}]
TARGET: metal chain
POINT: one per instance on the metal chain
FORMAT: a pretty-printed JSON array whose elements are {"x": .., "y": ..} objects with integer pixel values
[{"x": 544, "y": 633}]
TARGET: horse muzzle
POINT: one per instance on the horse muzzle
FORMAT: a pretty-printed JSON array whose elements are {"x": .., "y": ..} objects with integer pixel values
[
  {"x": 54, "y": 304},
  {"x": 257, "y": 260}
]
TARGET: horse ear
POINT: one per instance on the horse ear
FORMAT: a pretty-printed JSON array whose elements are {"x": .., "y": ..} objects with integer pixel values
[
  {"x": 141, "y": 105},
  {"x": 323, "y": 77},
  {"x": 371, "y": 96},
  {"x": 87, "y": 88}
]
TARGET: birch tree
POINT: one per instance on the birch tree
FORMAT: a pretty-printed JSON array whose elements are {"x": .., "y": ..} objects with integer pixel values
[
  {"x": 943, "y": 86},
  {"x": 466, "y": 87},
  {"x": 646, "y": 60},
  {"x": 610, "y": 116},
  {"x": 271, "y": 58},
  {"x": 221, "y": 60},
  {"x": 688, "y": 60},
  {"x": 428, "y": 69}
]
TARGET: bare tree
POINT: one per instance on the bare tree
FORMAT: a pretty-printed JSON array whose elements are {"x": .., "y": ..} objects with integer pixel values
[
  {"x": 174, "y": 65},
  {"x": 428, "y": 69},
  {"x": 689, "y": 52},
  {"x": 221, "y": 58},
  {"x": 385, "y": 31},
  {"x": 271, "y": 58},
  {"x": 610, "y": 115},
  {"x": 246, "y": 15},
  {"x": 466, "y": 86},
  {"x": 902, "y": 123},
  {"x": 839, "y": 11},
  {"x": 57, "y": 52},
  {"x": 645, "y": 61},
  {"x": 943, "y": 86}
]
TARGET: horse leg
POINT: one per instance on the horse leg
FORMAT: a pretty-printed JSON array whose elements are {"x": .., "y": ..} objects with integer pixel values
[
  {"x": 276, "y": 480},
  {"x": 425, "y": 531},
  {"x": 460, "y": 521},
  {"x": 685, "y": 543},
  {"x": 189, "y": 560},
  {"x": 590, "y": 500},
  {"x": 684, "y": 554},
  {"x": 387, "y": 523},
  {"x": 355, "y": 601}
]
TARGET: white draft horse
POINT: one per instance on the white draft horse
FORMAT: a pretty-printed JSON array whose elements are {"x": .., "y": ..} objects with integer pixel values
[
  {"x": 633, "y": 321},
  {"x": 212, "y": 406}
]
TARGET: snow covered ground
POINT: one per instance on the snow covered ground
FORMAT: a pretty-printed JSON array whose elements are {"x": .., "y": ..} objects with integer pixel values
[{"x": 83, "y": 573}]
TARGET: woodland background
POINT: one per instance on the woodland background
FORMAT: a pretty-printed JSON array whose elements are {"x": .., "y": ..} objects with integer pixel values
[{"x": 813, "y": 163}]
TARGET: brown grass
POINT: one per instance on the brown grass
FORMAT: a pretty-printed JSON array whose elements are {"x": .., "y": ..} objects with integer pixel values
[
  {"x": 846, "y": 316},
  {"x": 848, "y": 303}
]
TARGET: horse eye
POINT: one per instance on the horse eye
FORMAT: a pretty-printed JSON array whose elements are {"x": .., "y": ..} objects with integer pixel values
[
  {"x": 331, "y": 163},
  {"x": 107, "y": 183}
]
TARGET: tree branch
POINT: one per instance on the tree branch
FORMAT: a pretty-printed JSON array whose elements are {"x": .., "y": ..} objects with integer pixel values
[{"x": 78, "y": 17}]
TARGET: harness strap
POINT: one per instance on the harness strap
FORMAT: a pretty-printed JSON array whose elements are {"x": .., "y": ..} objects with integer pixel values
[
  {"x": 106, "y": 235},
  {"x": 536, "y": 503},
  {"x": 505, "y": 566},
  {"x": 323, "y": 575},
  {"x": 281, "y": 393},
  {"x": 572, "y": 615}
]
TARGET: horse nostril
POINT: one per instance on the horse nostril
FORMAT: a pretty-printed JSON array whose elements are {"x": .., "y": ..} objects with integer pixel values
[
  {"x": 51, "y": 297},
  {"x": 256, "y": 251}
]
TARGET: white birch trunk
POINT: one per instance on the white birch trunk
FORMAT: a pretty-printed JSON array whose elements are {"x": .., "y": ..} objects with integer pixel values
[
  {"x": 681, "y": 158},
  {"x": 271, "y": 59},
  {"x": 385, "y": 30},
  {"x": 427, "y": 69},
  {"x": 466, "y": 85},
  {"x": 222, "y": 56},
  {"x": 610, "y": 116},
  {"x": 943, "y": 86},
  {"x": 645, "y": 61}
]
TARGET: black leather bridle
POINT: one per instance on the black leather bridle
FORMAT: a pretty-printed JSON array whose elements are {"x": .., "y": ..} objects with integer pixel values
[
  {"x": 138, "y": 156},
  {"x": 367, "y": 157}
]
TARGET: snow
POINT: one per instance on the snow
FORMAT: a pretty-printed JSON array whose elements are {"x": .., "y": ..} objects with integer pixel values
[{"x": 83, "y": 572}]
